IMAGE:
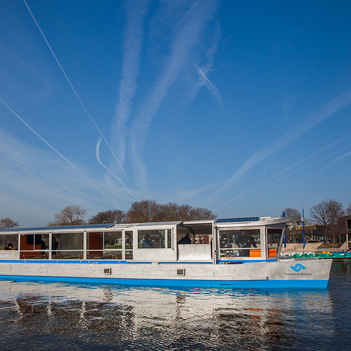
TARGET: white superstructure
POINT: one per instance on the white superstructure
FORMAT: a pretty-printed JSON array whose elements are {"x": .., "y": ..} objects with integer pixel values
[{"x": 232, "y": 252}]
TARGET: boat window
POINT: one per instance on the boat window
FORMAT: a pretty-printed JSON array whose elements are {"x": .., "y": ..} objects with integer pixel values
[
  {"x": 274, "y": 237},
  {"x": 44, "y": 243},
  {"x": 34, "y": 246},
  {"x": 109, "y": 245},
  {"x": 7, "y": 239},
  {"x": 203, "y": 239},
  {"x": 154, "y": 239},
  {"x": 104, "y": 245},
  {"x": 113, "y": 241},
  {"x": 95, "y": 245},
  {"x": 240, "y": 243},
  {"x": 129, "y": 240},
  {"x": 129, "y": 245},
  {"x": 67, "y": 246},
  {"x": 195, "y": 238}
]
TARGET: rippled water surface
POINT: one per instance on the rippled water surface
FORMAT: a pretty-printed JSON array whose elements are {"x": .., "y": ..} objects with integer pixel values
[{"x": 56, "y": 316}]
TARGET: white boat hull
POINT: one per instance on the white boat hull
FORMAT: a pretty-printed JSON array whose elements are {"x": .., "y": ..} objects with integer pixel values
[{"x": 308, "y": 273}]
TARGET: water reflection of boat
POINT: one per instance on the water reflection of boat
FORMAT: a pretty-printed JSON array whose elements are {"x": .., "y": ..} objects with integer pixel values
[
  {"x": 229, "y": 253},
  {"x": 112, "y": 315}
]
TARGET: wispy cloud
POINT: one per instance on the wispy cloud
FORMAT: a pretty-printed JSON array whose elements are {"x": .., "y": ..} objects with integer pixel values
[
  {"x": 194, "y": 193},
  {"x": 203, "y": 79},
  {"x": 35, "y": 183},
  {"x": 326, "y": 111},
  {"x": 58, "y": 153},
  {"x": 70, "y": 84},
  {"x": 282, "y": 174},
  {"x": 133, "y": 39},
  {"x": 185, "y": 38},
  {"x": 112, "y": 174}
]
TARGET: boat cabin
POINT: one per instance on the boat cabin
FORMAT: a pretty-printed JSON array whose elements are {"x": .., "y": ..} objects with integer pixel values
[{"x": 215, "y": 241}]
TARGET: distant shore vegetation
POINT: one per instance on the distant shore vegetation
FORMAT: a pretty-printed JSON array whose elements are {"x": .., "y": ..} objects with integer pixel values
[{"x": 324, "y": 214}]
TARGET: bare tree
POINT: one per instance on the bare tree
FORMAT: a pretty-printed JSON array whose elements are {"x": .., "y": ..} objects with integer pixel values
[
  {"x": 348, "y": 210},
  {"x": 143, "y": 211},
  {"x": 184, "y": 213},
  {"x": 70, "y": 215},
  {"x": 108, "y": 217},
  {"x": 326, "y": 214},
  {"x": 170, "y": 211},
  {"x": 151, "y": 211},
  {"x": 292, "y": 212},
  {"x": 5, "y": 239},
  {"x": 198, "y": 213},
  {"x": 8, "y": 223},
  {"x": 174, "y": 212}
]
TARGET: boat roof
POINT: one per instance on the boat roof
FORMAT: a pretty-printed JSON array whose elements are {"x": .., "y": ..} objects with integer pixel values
[
  {"x": 220, "y": 222},
  {"x": 84, "y": 227}
]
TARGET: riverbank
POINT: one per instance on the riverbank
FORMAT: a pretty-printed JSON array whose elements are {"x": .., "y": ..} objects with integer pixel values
[
  {"x": 315, "y": 247},
  {"x": 337, "y": 256}
]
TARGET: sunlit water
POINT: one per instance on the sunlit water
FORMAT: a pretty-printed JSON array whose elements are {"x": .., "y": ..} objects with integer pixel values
[{"x": 37, "y": 316}]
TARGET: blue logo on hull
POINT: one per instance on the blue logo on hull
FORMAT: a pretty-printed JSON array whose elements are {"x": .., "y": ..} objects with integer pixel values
[{"x": 297, "y": 268}]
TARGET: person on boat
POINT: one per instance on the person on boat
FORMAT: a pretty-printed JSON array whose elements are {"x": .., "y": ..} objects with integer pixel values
[
  {"x": 245, "y": 240},
  {"x": 54, "y": 245},
  {"x": 185, "y": 240},
  {"x": 147, "y": 243},
  {"x": 9, "y": 246}
]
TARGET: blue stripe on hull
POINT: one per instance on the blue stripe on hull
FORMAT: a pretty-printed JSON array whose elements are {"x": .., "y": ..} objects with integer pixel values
[
  {"x": 230, "y": 284},
  {"x": 74, "y": 261},
  {"x": 53, "y": 261}
]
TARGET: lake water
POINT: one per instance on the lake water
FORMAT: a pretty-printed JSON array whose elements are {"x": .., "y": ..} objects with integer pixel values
[{"x": 42, "y": 316}]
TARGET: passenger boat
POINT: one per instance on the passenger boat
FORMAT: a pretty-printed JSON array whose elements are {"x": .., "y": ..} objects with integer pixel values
[{"x": 222, "y": 253}]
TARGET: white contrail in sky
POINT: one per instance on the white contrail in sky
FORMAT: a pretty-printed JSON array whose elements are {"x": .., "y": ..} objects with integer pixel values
[
  {"x": 182, "y": 157},
  {"x": 113, "y": 175},
  {"x": 338, "y": 159},
  {"x": 210, "y": 86},
  {"x": 23, "y": 160},
  {"x": 273, "y": 179},
  {"x": 205, "y": 69},
  {"x": 204, "y": 80},
  {"x": 185, "y": 38},
  {"x": 326, "y": 111},
  {"x": 70, "y": 84},
  {"x": 304, "y": 159},
  {"x": 133, "y": 38},
  {"x": 291, "y": 173},
  {"x": 48, "y": 144},
  {"x": 156, "y": 29},
  {"x": 58, "y": 182}
]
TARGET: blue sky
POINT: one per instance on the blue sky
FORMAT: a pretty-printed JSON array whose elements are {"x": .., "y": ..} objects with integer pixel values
[{"x": 240, "y": 107}]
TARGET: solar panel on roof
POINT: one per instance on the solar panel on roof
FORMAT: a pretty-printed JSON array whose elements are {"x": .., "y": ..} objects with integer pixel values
[
  {"x": 9, "y": 230},
  {"x": 236, "y": 220}
]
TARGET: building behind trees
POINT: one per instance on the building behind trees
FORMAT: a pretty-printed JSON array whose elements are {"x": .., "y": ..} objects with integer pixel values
[{"x": 344, "y": 224}]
